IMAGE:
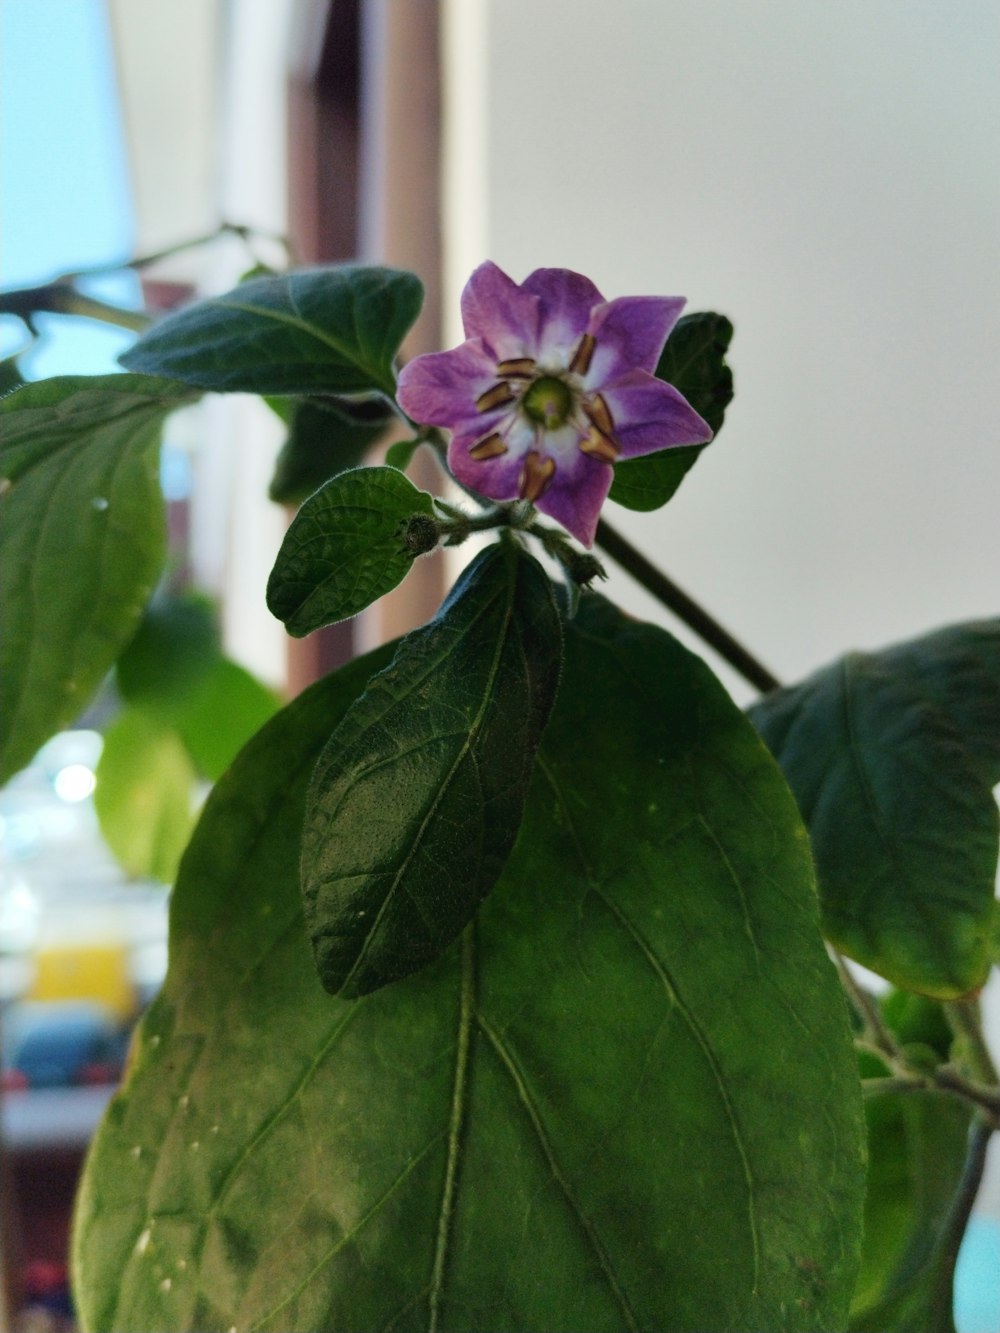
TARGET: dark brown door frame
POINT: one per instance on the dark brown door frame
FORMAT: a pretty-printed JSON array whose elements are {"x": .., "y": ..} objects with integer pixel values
[{"x": 364, "y": 183}]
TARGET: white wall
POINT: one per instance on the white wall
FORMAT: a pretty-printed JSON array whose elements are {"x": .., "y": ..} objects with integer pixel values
[{"x": 827, "y": 176}]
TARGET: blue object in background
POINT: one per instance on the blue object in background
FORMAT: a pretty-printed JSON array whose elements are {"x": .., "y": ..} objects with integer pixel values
[
  {"x": 977, "y": 1278},
  {"x": 64, "y": 192}
]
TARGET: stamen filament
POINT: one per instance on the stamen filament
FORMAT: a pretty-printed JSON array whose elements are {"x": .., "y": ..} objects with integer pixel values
[
  {"x": 498, "y": 396},
  {"x": 490, "y": 447},
  {"x": 521, "y": 367},
  {"x": 600, "y": 414},
  {"x": 599, "y": 445},
  {"x": 583, "y": 354},
  {"x": 536, "y": 474}
]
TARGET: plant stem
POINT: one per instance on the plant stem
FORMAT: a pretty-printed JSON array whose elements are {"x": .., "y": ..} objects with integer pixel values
[
  {"x": 195, "y": 243},
  {"x": 965, "y": 1022},
  {"x": 684, "y": 607},
  {"x": 882, "y": 1042},
  {"x": 942, "y": 1297},
  {"x": 983, "y": 1091},
  {"x": 61, "y": 298}
]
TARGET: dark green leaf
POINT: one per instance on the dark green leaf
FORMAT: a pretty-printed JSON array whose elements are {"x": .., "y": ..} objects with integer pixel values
[
  {"x": 418, "y": 797},
  {"x": 320, "y": 330},
  {"x": 579, "y": 1122},
  {"x": 693, "y": 361},
  {"x": 346, "y": 547},
  {"x": 145, "y": 795},
  {"x": 892, "y": 757},
  {"x": 959, "y": 671},
  {"x": 82, "y": 542},
  {"x": 916, "y": 1153},
  {"x": 327, "y": 436}
]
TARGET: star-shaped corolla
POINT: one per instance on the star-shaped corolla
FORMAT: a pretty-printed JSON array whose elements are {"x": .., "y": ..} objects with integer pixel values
[{"x": 551, "y": 387}]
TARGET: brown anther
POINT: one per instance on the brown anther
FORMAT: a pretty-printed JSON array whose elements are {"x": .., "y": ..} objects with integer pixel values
[
  {"x": 580, "y": 363},
  {"x": 520, "y": 367},
  {"x": 599, "y": 413},
  {"x": 599, "y": 445},
  {"x": 496, "y": 397},
  {"x": 535, "y": 476},
  {"x": 491, "y": 447}
]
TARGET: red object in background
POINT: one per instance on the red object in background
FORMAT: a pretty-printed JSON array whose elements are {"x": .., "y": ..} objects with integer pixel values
[
  {"x": 97, "y": 1073},
  {"x": 44, "y": 1279},
  {"x": 43, "y": 1185},
  {"x": 13, "y": 1080}
]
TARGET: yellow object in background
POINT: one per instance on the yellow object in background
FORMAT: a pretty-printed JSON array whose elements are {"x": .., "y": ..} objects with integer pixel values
[{"x": 85, "y": 972}]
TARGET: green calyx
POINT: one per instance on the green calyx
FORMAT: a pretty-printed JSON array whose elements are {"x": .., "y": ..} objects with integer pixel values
[{"x": 548, "y": 401}]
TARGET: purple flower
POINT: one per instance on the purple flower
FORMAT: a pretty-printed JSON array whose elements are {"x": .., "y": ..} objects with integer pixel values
[{"x": 553, "y": 385}]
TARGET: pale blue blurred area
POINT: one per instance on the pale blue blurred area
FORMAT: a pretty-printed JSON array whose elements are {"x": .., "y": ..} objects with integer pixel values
[
  {"x": 64, "y": 193},
  {"x": 977, "y": 1278}
]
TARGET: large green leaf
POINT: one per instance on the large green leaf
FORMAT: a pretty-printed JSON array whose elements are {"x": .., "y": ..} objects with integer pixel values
[
  {"x": 319, "y": 330},
  {"x": 349, "y": 544},
  {"x": 417, "y": 798},
  {"x": 892, "y": 757},
  {"x": 917, "y": 1144},
  {"x": 582, "y": 1119},
  {"x": 145, "y": 795},
  {"x": 326, "y": 436},
  {"x": 82, "y": 542},
  {"x": 694, "y": 361}
]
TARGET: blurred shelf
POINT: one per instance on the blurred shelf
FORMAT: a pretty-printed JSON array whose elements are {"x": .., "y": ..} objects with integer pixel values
[{"x": 51, "y": 1118}]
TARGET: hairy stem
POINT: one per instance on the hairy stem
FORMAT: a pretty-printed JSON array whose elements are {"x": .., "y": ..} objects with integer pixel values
[{"x": 684, "y": 607}]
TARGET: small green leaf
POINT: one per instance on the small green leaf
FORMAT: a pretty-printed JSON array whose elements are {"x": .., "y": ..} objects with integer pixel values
[
  {"x": 176, "y": 644},
  {"x": 892, "y": 757},
  {"x": 693, "y": 361},
  {"x": 345, "y": 548},
  {"x": 222, "y": 712},
  {"x": 417, "y": 798},
  {"x": 579, "y": 1120},
  {"x": 175, "y": 671},
  {"x": 327, "y": 436},
  {"x": 400, "y": 454},
  {"x": 82, "y": 542},
  {"x": 319, "y": 330},
  {"x": 145, "y": 795}
]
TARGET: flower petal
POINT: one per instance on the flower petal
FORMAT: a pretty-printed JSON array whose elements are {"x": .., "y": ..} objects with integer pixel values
[
  {"x": 441, "y": 388},
  {"x": 575, "y": 495},
  {"x": 496, "y": 478},
  {"x": 649, "y": 415},
  {"x": 566, "y": 300},
  {"x": 630, "y": 333},
  {"x": 502, "y": 314}
]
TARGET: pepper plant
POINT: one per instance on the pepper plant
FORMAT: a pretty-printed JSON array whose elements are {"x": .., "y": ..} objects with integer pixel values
[{"x": 507, "y": 985}]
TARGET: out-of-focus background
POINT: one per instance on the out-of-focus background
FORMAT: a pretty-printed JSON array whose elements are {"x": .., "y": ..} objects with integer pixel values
[{"x": 827, "y": 176}]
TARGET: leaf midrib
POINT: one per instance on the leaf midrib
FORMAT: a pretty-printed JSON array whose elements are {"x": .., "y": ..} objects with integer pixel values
[
  {"x": 314, "y": 331},
  {"x": 464, "y": 750}
]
